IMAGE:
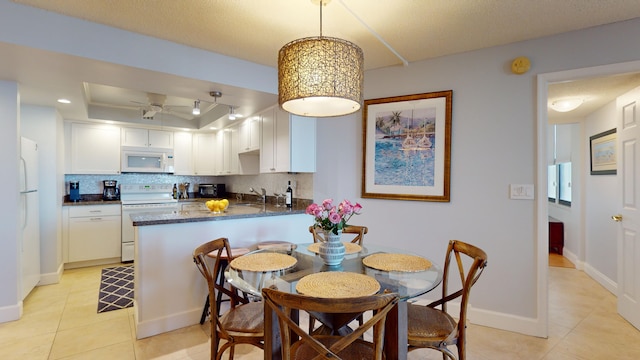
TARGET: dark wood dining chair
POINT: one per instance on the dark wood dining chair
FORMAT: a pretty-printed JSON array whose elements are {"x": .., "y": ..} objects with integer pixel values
[
  {"x": 296, "y": 343},
  {"x": 243, "y": 323},
  {"x": 225, "y": 259},
  {"x": 433, "y": 328},
  {"x": 360, "y": 231}
]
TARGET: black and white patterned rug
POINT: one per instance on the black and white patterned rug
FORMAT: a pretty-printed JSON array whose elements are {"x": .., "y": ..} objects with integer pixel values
[{"x": 116, "y": 288}]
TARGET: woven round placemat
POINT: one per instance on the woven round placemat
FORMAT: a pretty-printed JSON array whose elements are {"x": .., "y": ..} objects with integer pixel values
[
  {"x": 335, "y": 284},
  {"x": 396, "y": 262},
  {"x": 350, "y": 248},
  {"x": 265, "y": 261}
]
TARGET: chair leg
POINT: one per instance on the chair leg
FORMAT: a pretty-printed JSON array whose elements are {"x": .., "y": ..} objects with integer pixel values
[{"x": 205, "y": 311}]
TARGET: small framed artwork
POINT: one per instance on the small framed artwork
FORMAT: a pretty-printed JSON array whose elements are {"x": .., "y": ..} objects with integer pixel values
[
  {"x": 603, "y": 153},
  {"x": 407, "y": 147}
]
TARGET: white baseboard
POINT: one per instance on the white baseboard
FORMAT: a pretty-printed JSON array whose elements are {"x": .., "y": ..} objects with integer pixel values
[
  {"x": 596, "y": 275},
  {"x": 502, "y": 321},
  {"x": 11, "y": 313},
  {"x": 79, "y": 264},
  {"x": 508, "y": 322},
  {"x": 52, "y": 278},
  {"x": 601, "y": 279},
  {"x": 165, "y": 324}
]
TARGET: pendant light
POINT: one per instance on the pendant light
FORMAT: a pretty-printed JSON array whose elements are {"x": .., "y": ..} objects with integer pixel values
[
  {"x": 196, "y": 108},
  {"x": 320, "y": 76}
]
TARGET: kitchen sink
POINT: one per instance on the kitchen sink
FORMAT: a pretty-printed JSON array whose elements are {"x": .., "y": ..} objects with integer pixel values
[{"x": 246, "y": 208}]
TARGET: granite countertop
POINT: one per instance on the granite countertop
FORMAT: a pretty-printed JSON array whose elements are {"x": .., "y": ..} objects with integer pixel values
[
  {"x": 89, "y": 199},
  {"x": 234, "y": 211}
]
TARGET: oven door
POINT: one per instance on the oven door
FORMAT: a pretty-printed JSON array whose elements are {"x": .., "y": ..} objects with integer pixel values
[{"x": 128, "y": 234}]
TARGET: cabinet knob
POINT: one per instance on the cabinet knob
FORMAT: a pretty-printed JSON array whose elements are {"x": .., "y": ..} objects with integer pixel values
[{"x": 617, "y": 218}]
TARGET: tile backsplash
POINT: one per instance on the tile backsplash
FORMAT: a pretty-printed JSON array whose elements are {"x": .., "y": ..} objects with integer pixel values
[{"x": 302, "y": 184}]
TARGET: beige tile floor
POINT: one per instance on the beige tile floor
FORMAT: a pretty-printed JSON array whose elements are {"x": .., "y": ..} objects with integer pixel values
[{"x": 60, "y": 322}]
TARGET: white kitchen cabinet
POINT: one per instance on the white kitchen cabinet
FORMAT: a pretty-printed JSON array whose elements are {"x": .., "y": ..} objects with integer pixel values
[
  {"x": 183, "y": 153},
  {"x": 288, "y": 142},
  {"x": 204, "y": 149},
  {"x": 224, "y": 153},
  {"x": 94, "y": 232},
  {"x": 249, "y": 136},
  {"x": 158, "y": 139},
  {"x": 95, "y": 149}
]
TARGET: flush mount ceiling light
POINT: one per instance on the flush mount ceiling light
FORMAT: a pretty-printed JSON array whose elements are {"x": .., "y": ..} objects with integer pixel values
[
  {"x": 566, "y": 105},
  {"x": 196, "y": 107},
  {"x": 320, "y": 76}
]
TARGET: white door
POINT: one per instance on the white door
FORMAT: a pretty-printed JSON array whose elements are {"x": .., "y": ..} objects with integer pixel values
[{"x": 628, "y": 160}]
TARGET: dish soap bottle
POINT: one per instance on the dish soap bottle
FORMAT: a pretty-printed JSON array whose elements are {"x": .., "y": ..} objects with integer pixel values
[{"x": 289, "y": 197}]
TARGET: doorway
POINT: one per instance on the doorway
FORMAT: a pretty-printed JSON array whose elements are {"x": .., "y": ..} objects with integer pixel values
[{"x": 542, "y": 212}]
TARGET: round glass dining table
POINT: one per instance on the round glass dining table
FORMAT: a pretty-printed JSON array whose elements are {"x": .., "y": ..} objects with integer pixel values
[{"x": 406, "y": 284}]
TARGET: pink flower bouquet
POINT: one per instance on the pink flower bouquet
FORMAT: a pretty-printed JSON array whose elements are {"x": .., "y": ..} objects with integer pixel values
[{"x": 333, "y": 218}]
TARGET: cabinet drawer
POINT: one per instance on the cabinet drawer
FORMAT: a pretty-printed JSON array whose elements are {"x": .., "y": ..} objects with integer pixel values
[{"x": 94, "y": 210}]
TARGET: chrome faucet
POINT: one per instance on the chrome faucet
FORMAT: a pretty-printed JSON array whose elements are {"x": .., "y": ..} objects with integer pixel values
[{"x": 263, "y": 196}]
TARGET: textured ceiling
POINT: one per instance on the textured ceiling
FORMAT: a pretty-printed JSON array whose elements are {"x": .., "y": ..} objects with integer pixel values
[
  {"x": 417, "y": 29},
  {"x": 390, "y": 32}
]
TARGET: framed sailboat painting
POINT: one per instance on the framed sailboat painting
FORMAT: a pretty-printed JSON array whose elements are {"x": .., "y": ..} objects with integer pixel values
[{"x": 407, "y": 147}]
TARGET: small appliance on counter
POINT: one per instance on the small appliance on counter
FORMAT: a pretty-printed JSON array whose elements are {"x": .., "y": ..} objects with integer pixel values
[
  {"x": 74, "y": 191},
  {"x": 110, "y": 191},
  {"x": 211, "y": 190}
]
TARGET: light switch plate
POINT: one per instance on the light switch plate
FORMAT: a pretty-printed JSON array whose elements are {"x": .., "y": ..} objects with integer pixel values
[{"x": 521, "y": 191}]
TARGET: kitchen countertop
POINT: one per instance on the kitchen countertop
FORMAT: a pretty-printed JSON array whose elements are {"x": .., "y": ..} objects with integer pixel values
[
  {"x": 234, "y": 211},
  {"x": 89, "y": 199}
]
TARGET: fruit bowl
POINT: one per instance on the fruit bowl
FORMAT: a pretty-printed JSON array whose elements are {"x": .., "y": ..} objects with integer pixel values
[{"x": 217, "y": 206}]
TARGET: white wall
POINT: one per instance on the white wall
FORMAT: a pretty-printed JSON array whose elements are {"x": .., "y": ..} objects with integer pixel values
[
  {"x": 493, "y": 145},
  {"x": 10, "y": 297},
  {"x": 39, "y": 123},
  {"x": 601, "y": 202}
]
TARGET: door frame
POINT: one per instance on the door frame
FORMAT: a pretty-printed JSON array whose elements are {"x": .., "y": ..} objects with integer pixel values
[{"x": 542, "y": 212}]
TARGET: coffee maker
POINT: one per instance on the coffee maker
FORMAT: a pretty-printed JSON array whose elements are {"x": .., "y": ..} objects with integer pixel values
[{"x": 111, "y": 191}]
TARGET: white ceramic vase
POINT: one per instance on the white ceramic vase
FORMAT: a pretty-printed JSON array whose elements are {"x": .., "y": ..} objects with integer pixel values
[{"x": 332, "y": 249}]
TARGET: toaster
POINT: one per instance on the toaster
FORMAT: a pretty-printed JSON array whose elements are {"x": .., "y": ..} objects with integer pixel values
[{"x": 211, "y": 190}]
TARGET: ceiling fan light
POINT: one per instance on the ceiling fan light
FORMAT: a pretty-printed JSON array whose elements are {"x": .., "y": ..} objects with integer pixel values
[
  {"x": 566, "y": 105},
  {"x": 196, "y": 107}
]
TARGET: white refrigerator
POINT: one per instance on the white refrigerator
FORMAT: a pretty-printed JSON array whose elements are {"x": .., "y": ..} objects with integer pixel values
[{"x": 29, "y": 216}]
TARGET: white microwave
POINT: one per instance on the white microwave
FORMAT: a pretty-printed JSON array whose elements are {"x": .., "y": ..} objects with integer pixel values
[{"x": 142, "y": 160}]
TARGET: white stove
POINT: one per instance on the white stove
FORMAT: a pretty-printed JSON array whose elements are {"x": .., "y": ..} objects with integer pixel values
[{"x": 142, "y": 198}]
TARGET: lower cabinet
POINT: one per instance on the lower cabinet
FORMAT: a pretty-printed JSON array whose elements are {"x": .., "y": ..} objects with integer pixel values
[{"x": 93, "y": 232}]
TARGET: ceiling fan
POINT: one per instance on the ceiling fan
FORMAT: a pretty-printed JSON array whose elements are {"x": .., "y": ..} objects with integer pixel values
[{"x": 156, "y": 104}]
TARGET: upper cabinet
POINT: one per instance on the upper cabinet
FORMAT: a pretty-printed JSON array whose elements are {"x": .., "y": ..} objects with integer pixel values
[
  {"x": 147, "y": 138},
  {"x": 95, "y": 149},
  {"x": 204, "y": 150},
  {"x": 183, "y": 153},
  {"x": 225, "y": 162},
  {"x": 288, "y": 142},
  {"x": 249, "y": 136}
]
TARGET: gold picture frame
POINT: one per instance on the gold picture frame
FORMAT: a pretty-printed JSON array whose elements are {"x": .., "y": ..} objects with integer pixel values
[{"x": 407, "y": 147}]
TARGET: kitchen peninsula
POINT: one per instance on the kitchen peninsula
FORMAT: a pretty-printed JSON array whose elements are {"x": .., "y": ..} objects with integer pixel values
[{"x": 169, "y": 292}]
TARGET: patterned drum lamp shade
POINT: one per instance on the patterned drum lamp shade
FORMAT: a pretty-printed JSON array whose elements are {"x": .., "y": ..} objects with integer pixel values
[{"x": 320, "y": 77}]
